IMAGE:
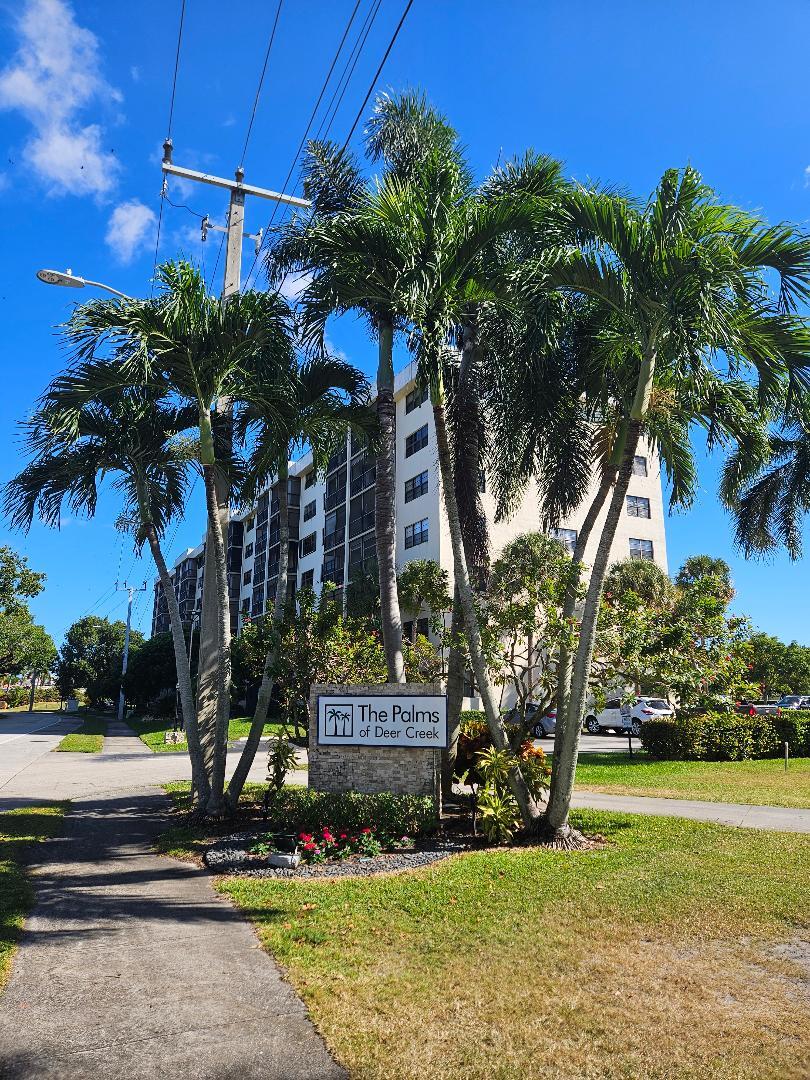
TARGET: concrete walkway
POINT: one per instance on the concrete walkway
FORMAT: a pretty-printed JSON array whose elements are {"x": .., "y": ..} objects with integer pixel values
[
  {"x": 132, "y": 968},
  {"x": 782, "y": 819}
]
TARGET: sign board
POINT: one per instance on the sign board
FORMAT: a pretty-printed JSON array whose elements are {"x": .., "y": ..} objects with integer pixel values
[
  {"x": 627, "y": 720},
  {"x": 383, "y": 720}
]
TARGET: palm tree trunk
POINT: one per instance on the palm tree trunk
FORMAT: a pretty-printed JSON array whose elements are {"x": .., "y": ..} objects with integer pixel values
[
  {"x": 455, "y": 697},
  {"x": 529, "y": 809},
  {"x": 385, "y": 506},
  {"x": 565, "y": 664},
  {"x": 199, "y": 778},
  {"x": 565, "y": 762},
  {"x": 215, "y": 801},
  {"x": 266, "y": 689}
]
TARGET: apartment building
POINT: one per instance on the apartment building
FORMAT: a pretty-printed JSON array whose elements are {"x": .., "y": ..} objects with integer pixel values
[{"x": 332, "y": 520}]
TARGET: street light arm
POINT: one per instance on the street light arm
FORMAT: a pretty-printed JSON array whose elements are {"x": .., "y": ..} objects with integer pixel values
[{"x": 107, "y": 288}]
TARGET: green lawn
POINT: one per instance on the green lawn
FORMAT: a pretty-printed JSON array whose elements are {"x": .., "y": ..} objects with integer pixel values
[
  {"x": 18, "y": 830},
  {"x": 39, "y": 706},
  {"x": 752, "y": 782},
  {"x": 88, "y": 739},
  {"x": 153, "y": 732},
  {"x": 680, "y": 950}
]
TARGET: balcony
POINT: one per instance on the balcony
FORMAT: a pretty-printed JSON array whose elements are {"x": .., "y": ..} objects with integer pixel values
[{"x": 361, "y": 523}]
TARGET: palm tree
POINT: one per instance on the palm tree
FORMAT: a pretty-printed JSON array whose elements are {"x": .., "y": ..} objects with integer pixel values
[
  {"x": 196, "y": 348},
  {"x": 681, "y": 282},
  {"x": 313, "y": 405},
  {"x": 354, "y": 264},
  {"x": 137, "y": 440}
]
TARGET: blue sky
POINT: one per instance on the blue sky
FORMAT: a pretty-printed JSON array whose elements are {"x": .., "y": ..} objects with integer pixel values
[{"x": 618, "y": 91}]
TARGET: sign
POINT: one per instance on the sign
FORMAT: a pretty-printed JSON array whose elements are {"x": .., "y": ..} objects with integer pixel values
[
  {"x": 627, "y": 720},
  {"x": 383, "y": 720}
]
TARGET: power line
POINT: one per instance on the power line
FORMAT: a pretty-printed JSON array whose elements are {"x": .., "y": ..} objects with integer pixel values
[
  {"x": 378, "y": 72},
  {"x": 306, "y": 132},
  {"x": 348, "y": 71},
  {"x": 261, "y": 82},
  {"x": 169, "y": 132}
]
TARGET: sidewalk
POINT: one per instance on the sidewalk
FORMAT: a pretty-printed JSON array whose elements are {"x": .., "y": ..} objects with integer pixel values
[
  {"x": 782, "y": 819},
  {"x": 132, "y": 968}
]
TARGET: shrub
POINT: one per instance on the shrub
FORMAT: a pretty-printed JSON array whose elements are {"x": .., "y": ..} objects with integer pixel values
[
  {"x": 711, "y": 737},
  {"x": 302, "y": 810},
  {"x": 794, "y": 729}
]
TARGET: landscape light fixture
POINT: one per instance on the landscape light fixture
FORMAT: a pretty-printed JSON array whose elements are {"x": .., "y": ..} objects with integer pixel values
[{"x": 67, "y": 279}]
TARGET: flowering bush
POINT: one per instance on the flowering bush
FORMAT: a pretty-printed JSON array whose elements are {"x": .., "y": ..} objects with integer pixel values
[
  {"x": 294, "y": 810},
  {"x": 327, "y": 845}
]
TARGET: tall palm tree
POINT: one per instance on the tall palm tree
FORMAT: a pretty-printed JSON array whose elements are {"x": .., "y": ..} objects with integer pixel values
[
  {"x": 313, "y": 405},
  {"x": 138, "y": 441},
  {"x": 355, "y": 265},
  {"x": 197, "y": 348},
  {"x": 682, "y": 282}
]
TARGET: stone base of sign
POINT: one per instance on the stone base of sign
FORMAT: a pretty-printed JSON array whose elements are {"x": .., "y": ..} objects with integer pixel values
[{"x": 403, "y": 770}]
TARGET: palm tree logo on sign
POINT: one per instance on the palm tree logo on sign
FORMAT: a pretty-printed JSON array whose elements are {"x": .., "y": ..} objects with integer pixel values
[{"x": 339, "y": 721}]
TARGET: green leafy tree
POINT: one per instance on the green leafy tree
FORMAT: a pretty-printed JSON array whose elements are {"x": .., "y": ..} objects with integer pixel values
[
  {"x": 151, "y": 671},
  {"x": 25, "y": 647},
  {"x": 91, "y": 657}
]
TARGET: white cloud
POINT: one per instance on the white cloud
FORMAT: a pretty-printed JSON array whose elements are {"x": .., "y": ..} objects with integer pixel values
[
  {"x": 130, "y": 228},
  {"x": 293, "y": 285},
  {"x": 807, "y": 176},
  {"x": 53, "y": 77},
  {"x": 135, "y": 73}
]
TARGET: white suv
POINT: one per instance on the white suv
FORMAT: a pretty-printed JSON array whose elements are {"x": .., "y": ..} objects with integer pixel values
[{"x": 612, "y": 717}]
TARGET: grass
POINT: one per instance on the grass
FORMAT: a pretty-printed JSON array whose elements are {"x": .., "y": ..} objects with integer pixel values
[
  {"x": 751, "y": 782},
  {"x": 152, "y": 731},
  {"x": 680, "y": 950},
  {"x": 39, "y": 706},
  {"x": 18, "y": 830},
  {"x": 188, "y": 841},
  {"x": 88, "y": 739}
]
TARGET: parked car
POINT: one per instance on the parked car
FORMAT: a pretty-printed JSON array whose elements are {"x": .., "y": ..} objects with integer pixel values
[
  {"x": 758, "y": 708},
  {"x": 541, "y": 722},
  {"x": 611, "y": 717},
  {"x": 794, "y": 701}
]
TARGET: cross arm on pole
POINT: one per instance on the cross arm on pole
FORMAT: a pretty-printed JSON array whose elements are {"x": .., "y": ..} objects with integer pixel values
[{"x": 231, "y": 185}]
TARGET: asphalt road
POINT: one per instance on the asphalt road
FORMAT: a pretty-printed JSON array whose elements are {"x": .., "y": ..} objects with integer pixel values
[{"x": 26, "y": 737}]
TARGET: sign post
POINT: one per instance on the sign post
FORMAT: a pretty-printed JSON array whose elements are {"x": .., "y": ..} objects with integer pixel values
[{"x": 627, "y": 724}]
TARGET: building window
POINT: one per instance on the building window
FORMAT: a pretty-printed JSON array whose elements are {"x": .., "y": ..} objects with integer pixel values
[
  {"x": 248, "y": 551},
  {"x": 416, "y": 486},
  {"x": 567, "y": 537},
  {"x": 641, "y": 549},
  {"x": 416, "y": 440},
  {"x": 308, "y": 544},
  {"x": 639, "y": 465},
  {"x": 414, "y": 398},
  {"x": 307, "y": 579},
  {"x": 638, "y": 506},
  {"x": 411, "y": 629},
  {"x": 249, "y": 524},
  {"x": 309, "y": 510},
  {"x": 416, "y": 533},
  {"x": 248, "y": 574},
  {"x": 309, "y": 479}
]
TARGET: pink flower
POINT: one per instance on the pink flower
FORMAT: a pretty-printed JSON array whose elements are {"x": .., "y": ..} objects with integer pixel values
[
  {"x": 366, "y": 830},
  {"x": 304, "y": 836},
  {"x": 343, "y": 836}
]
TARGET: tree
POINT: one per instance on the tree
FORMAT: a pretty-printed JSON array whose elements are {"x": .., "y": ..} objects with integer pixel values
[
  {"x": 423, "y": 584},
  {"x": 91, "y": 658},
  {"x": 25, "y": 647},
  {"x": 197, "y": 349},
  {"x": 673, "y": 639},
  {"x": 355, "y": 264},
  {"x": 523, "y": 624},
  {"x": 151, "y": 671},
  {"x": 681, "y": 281},
  {"x": 137, "y": 439},
  {"x": 313, "y": 404}
]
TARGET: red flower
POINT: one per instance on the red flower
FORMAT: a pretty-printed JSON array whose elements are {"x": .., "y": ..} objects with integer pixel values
[
  {"x": 366, "y": 830},
  {"x": 310, "y": 846},
  {"x": 343, "y": 836},
  {"x": 304, "y": 836}
]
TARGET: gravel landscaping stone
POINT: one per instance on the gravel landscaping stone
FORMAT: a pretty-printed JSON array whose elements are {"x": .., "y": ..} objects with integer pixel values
[{"x": 231, "y": 855}]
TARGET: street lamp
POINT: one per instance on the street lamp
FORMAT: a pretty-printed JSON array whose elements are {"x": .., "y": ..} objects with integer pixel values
[{"x": 67, "y": 279}]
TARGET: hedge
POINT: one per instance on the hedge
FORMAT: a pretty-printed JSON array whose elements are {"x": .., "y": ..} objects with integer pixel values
[
  {"x": 300, "y": 809},
  {"x": 725, "y": 736},
  {"x": 16, "y": 696}
]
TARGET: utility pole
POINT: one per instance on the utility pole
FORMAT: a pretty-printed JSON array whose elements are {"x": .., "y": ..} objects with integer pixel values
[
  {"x": 235, "y": 235},
  {"x": 130, "y": 590}
]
